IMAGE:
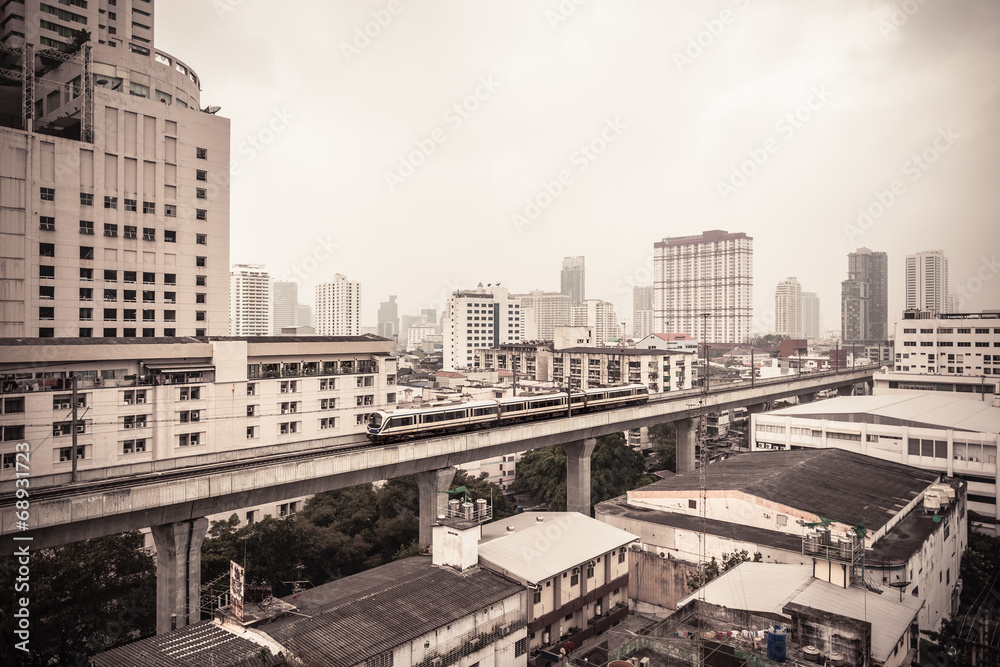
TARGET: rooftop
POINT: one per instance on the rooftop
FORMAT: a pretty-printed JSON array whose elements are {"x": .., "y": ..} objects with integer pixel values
[
  {"x": 197, "y": 645},
  {"x": 617, "y": 351},
  {"x": 181, "y": 340},
  {"x": 711, "y": 236}
]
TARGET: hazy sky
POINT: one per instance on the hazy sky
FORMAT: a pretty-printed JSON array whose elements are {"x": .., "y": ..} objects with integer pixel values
[{"x": 419, "y": 147}]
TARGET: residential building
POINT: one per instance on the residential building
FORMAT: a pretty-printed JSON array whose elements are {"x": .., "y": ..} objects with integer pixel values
[
  {"x": 500, "y": 470},
  {"x": 941, "y": 432},
  {"x": 388, "y": 319},
  {"x": 864, "y": 301},
  {"x": 483, "y": 317},
  {"x": 573, "y": 279},
  {"x": 542, "y": 312},
  {"x": 599, "y": 316},
  {"x": 532, "y": 361},
  {"x": 338, "y": 307},
  {"x": 142, "y": 400},
  {"x": 250, "y": 309},
  {"x": 703, "y": 286},
  {"x": 286, "y": 305},
  {"x": 927, "y": 282},
  {"x": 802, "y": 507},
  {"x": 788, "y": 318},
  {"x": 642, "y": 311},
  {"x": 407, "y": 613},
  {"x": 588, "y": 367},
  {"x": 304, "y": 315},
  {"x": 114, "y": 184},
  {"x": 811, "y": 321}
]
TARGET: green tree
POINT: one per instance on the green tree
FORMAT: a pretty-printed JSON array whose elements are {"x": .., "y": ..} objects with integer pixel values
[
  {"x": 481, "y": 487},
  {"x": 85, "y": 597},
  {"x": 712, "y": 569},
  {"x": 664, "y": 438}
]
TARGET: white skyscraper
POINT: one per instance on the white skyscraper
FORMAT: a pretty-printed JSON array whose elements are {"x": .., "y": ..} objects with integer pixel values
[
  {"x": 642, "y": 311},
  {"x": 285, "y": 295},
  {"x": 249, "y": 301},
  {"x": 810, "y": 315},
  {"x": 541, "y": 312},
  {"x": 927, "y": 282},
  {"x": 483, "y": 317},
  {"x": 599, "y": 316},
  {"x": 788, "y": 309},
  {"x": 703, "y": 286},
  {"x": 338, "y": 307},
  {"x": 573, "y": 279}
]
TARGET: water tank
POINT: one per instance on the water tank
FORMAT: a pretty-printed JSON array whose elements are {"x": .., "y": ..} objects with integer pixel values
[
  {"x": 811, "y": 653},
  {"x": 481, "y": 508},
  {"x": 824, "y": 536},
  {"x": 845, "y": 548},
  {"x": 777, "y": 649},
  {"x": 812, "y": 542},
  {"x": 836, "y": 659},
  {"x": 932, "y": 503},
  {"x": 467, "y": 510},
  {"x": 453, "y": 506},
  {"x": 945, "y": 493}
]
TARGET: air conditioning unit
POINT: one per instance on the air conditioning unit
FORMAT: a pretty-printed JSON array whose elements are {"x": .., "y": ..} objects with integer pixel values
[{"x": 663, "y": 554}]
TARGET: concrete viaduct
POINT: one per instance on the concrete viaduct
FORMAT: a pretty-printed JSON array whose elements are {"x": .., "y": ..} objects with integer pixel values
[{"x": 175, "y": 503}]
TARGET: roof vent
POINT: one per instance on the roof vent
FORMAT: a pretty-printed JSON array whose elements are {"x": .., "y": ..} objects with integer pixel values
[{"x": 539, "y": 519}]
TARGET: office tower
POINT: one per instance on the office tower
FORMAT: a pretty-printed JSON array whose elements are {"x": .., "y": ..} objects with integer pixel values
[
  {"x": 250, "y": 309},
  {"x": 573, "y": 279},
  {"x": 864, "y": 305},
  {"x": 810, "y": 315},
  {"x": 854, "y": 310},
  {"x": 927, "y": 282},
  {"x": 114, "y": 185},
  {"x": 702, "y": 286},
  {"x": 600, "y": 317},
  {"x": 338, "y": 307},
  {"x": 541, "y": 312},
  {"x": 642, "y": 311},
  {"x": 304, "y": 315},
  {"x": 286, "y": 305},
  {"x": 483, "y": 317},
  {"x": 388, "y": 319},
  {"x": 788, "y": 309}
]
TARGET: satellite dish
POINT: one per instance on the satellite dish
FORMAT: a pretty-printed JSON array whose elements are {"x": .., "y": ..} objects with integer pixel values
[{"x": 212, "y": 109}]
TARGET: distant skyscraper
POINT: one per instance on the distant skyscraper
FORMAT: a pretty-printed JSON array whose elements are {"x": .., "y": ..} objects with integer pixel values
[
  {"x": 712, "y": 275},
  {"x": 541, "y": 312},
  {"x": 573, "y": 279},
  {"x": 388, "y": 319},
  {"x": 642, "y": 311},
  {"x": 788, "y": 308},
  {"x": 249, "y": 300},
  {"x": 865, "y": 311},
  {"x": 483, "y": 317},
  {"x": 927, "y": 282},
  {"x": 304, "y": 315},
  {"x": 600, "y": 317},
  {"x": 810, "y": 315},
  {"x": 338, "y": 307},
  {"x": 286, "y": 304}
]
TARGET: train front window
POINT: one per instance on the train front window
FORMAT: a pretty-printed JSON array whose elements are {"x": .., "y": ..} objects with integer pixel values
[{"x": 375, "y": 420}]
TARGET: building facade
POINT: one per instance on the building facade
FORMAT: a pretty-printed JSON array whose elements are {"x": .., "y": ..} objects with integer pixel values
[
  {"x": 573, "y": 279},
  {"x": 703, "y": 286},
  {"x": 788, "y": 318},
  {"x": 811, "y": 322},
  {"x": 865, "y": 297},
  {"x": 388, "y": 319},
  {"x": 590, "y": 367},
  {"x": 927, "y": 282},
  {"x": 481, "y": 318},
  {"x": 114, "y": 188},
  {"x": 542, "y": 312},
  {"x": 966, "y": 344},
  {"x": 250, "y": 301},
  {"x": 642, "y": 311},
  {"x": 338, "y": 307},
  {"x": 285, "y": 295},
  {"x": 598, "y": 316}
]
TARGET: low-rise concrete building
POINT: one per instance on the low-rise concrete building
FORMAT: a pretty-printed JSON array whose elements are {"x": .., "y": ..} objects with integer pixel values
[{"x": 668, "y": 341}]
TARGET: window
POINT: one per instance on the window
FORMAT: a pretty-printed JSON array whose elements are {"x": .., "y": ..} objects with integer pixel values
[
  {"x": 170, "y": 210},
  {"x": 199, "y": 298},
  {"x": 13, "y": 405},
  {"x": 46, "y": 223},
  {"x": 199, "y": 315},
  {"x": 46, "y": 313},
  {"x": 201, "y": 214},
  {"x": 86, "y": 314},
  {"x": 110, "y": 202},
  {"x": 87, "y": 227},
  {"x": 137, "y": 397},
  {"x": 169, "y": 333},
  {"x": 188, "y": 416},
  {"x": 286, "y": 428},
  {"x": 131, "y": 231},
  {"x": 169, "y": 236},
  {"x": 86, "y": 199},
  {"x": 129, "y": 277},
  {"x": 201, "y": 239},
  {"x": 201, "y": 175},
  {"x": 131, "y": 205},
  {"x": 13, "y": 432},
  {"x": 47, "y": 194},
  {"x": 590, "y": 571},
  {"x": 134, "y": 446},
  {"x": 170, "y": 316},
  {"x": 169, "y": 278},
  {"x": 200, "y": 261},
  {"x": 251, "y": 388},
  {"x": 148, "y": 234},
  {"x": 201, "y": 193},
  {"x": 110, "y": 314},
  {"x": 189, "y": 439},
  {"x": 110, "y": 230},
  {"x": 129, "y": 295},
  {"x": 148, "y": 296},
  {"x": 110, "y": 276},
  {"x": 327, "y": 383},
  {"x": 537, "y": 598},
  {"x": 129, "y": 315},
  {"x": 170, "y": 297},
  {"x": 46, "y": 271},
  {"x": 66, "y": 454},
  {"x": 190, "y": 393},
  {"x": 148, "y": 315},
  {"x": 574, "y": 580},
  {"x": 148, "y": 278},
  {"x": 251, "y": 434},
  {"x": 46, "y": 292},
  {"x": 328, "y": 404},
  {"x": 134, "y": 421},
  {"x": 47, "y": 249},
  {"x": 621, "y": 556},
  {"x": 66, "y": 428},
  {"x": 200, "y": 281},
  {"x": 328, "y": 422},
  {"x": 521, "y": 647},
  {"x": 202, "y": 153},
  {"x": 148, "y": 207}
]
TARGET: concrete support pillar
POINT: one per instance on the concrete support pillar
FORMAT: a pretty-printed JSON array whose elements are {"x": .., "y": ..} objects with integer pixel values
[
  {"x": 178, "y": 573},
  {"x": 687, "y": 438},
  {"x": 846, "y": 390},
  {"x": 433, "y": 500},
  {"x": 756, "y": 409},
  {"x": 806, "y": 398},
  {"x": 578, "y": 475}
]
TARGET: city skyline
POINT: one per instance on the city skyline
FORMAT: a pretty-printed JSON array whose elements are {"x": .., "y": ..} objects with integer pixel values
[{"x": 871, "y": 114}]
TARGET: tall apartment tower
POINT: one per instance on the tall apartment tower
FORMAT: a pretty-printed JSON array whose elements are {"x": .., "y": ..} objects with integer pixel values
[
  {"x": 642, "y": 311},
  {"x": 600, "y": 317},
  {"x": 703, "y": 286},
  {"x": 250, "y": 308},
  {"x": 483, "y": 317},
  {"x": 286, "y": 304},
  {"x": 927, "y": 282},
  {"x": 573, "y": 279},
  {"x": 304, "y": 315},
  {"x": 114, "y": 184},
  {"x": 788, "y": 309},
  {"x": 542, "y": 312},
  {"x": 864, "y": 304},
  {"x": 810, "y": 315},
  {"x": 388, "y": 319},
  {"x": 338, "y": 307}
]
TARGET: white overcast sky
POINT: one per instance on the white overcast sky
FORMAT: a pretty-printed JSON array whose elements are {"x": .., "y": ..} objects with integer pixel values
[{"x": 683, "y": 92}]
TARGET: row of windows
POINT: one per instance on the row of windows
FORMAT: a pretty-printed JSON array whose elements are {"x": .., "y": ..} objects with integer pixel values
[
  {"x": 48, "y": 224},
  {"x": 127, "y": 314},
  {"x": 87, "y": 252},
  {"x": 112, "y": 332},
  {"x": 111, "y": 276},
  {"x": 963, "y": 330},
  {"x": 48, "y": 292}
]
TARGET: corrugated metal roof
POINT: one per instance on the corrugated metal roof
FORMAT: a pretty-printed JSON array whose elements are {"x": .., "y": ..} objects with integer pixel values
[
  {"x": 553, "y": 546},
  {"x": 195, "y": 645},
  {"x": 915, "y": 408},
  {"x": 757, "y": 587}
]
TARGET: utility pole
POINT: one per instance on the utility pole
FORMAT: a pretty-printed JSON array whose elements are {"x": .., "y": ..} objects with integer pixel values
[
  {"x": 72, "y": 424},
  {"x": 753, "y": 369},
  {"x": 513, "y": 368}
]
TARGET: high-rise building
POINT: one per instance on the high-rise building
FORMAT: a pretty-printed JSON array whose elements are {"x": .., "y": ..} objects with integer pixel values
[
  {"x": 483, "y": 317},
  {"x": 642, "y": 311},
  {"x": 304, "y": 315},
  {"x": 810, "y": 315},
  {"x": 542, "y": 312},
  {"x": 703, "y": 286},
  {"x": 250, "y": 309},
  {"x": 864, "y": 304},
  {"x": 927, "y": 282},
  {"x": 114, "y": 185},
  {"x": 788, "y": 308},
  {"x": 573, "y": 279},
  {"x": 388, "y": 319},
  {"x": 338, "y": 307},
  {"x": 286, "y": 304},
  {"x": 600, "y": 317}
]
